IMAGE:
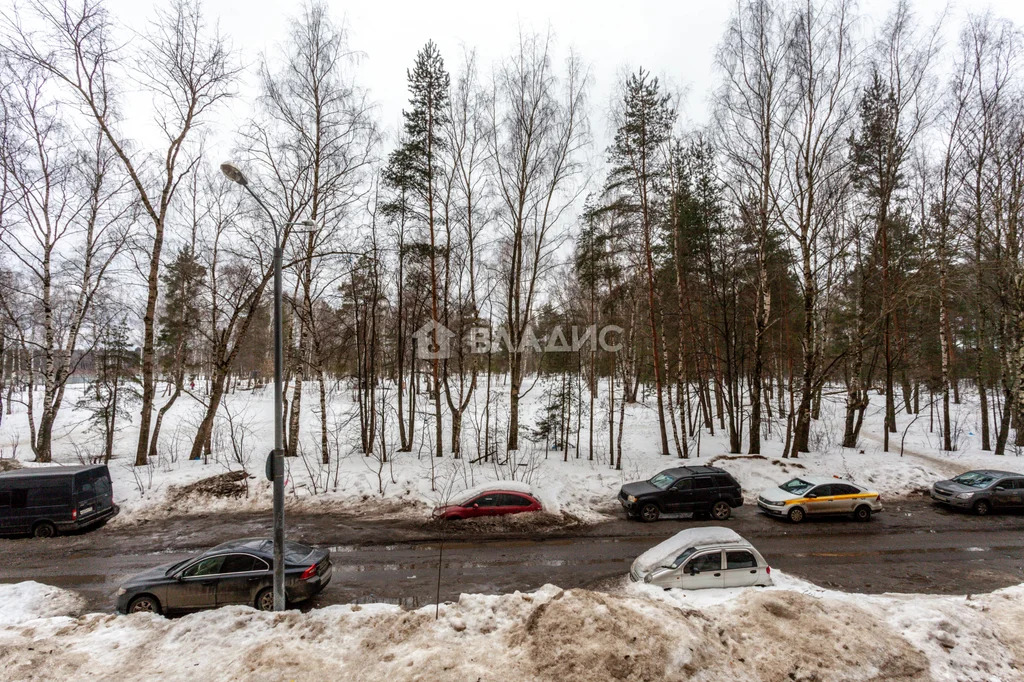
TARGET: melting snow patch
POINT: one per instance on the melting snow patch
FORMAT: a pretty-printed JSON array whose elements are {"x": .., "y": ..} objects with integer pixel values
[{"x": 22, "y": 602}]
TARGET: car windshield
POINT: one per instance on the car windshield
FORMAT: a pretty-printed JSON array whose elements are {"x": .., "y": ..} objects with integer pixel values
[
  {"x": 178, "y": 565},
  {"x": 975, "y": 479},
  {"x": 662, "y": 481},
  {"x": 682, "y": 558},
  {"x": 796, "y": 486}
]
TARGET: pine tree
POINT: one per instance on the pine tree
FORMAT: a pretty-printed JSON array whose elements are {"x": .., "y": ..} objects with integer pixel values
[
  {"x": 413, "y": 172},
  {"x": 183, "y": 281},
  {"x": 116, "y": 385},
  {"x": 877, "y": 150},
  {"x": 638, "y": 174}
]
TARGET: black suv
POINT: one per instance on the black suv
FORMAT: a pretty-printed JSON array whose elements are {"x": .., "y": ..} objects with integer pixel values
[{"x": 700, "y": 490}]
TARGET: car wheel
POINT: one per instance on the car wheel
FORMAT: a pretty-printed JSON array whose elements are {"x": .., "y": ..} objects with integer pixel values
[
  {"x": 144, "y": 604},
  {"x": 862, "y": 513},
  {"x": 796, "y": 515},
  {"x": 981, "y": 507},
  {"x": 721, "y": 510},
  {"x": 44, "y": 529},
  {"x": 265, "y": 599},
  {"x": 650, "y": 512}
]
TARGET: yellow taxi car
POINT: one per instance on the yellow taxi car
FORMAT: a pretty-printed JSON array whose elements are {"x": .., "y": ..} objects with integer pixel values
[{"x": 813, "y": 495}]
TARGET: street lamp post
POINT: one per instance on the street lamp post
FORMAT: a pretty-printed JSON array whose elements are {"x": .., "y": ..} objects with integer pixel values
[{"x": 235, "y": 175}]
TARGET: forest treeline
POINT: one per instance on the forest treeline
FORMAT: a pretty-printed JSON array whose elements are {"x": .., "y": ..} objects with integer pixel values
[{"x": 848, "y": 221}]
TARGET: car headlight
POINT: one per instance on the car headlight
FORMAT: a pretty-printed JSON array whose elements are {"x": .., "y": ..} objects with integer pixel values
[
  {"x": 965, "y": 496},
  {"x": 121, "y": 591},
  {"x": 631, "y": 499}
]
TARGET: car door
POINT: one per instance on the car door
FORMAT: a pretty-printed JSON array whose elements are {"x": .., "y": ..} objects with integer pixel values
[
  {"x": 515, "y": 503},
  {"x": 1018, "y": 492},
  {"x": 703, "y": 490},
  {"x": 1005, "y": 494},
  {"x": 196, "y": 587},
  {"x": 7, "y": 524},
  {"x": 703, "y": 570},
  {"x": 240, "y": 577},
  {"x": 740, "y": 568},
  {"x": 485, "y": 505},
  {"x": 679, "y": 496},
  {"x": 819, "y": 500},
  {"x": 843, "y": 500}
]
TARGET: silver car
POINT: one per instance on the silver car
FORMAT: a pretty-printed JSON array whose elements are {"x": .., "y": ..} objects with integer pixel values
[
  {"x": 981, "y": 491},
  {"x": 699, "y": 558},
  {"x": 800, "y": 497}
]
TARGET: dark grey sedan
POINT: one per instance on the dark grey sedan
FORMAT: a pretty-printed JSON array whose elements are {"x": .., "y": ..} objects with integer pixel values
[
  {"x": 236, "y": 572},
  {"x": 981, "y": 491}
]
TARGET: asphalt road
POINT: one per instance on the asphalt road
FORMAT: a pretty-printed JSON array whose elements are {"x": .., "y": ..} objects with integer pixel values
[{"x": 914, "y": 546}]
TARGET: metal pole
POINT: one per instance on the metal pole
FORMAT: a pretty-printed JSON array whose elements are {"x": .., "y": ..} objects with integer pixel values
[{"x": 279, "y": 598}]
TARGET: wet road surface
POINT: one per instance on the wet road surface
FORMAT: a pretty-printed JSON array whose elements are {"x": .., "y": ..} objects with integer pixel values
[{"x": 914, "y": 546}]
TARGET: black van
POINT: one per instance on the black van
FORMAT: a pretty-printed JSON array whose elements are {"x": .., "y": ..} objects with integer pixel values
[{"x": 42, "y": 501}]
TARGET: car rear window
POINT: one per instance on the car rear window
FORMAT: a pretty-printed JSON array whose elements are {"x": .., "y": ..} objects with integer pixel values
[
  {"x": 238, "y": 563},
  {"x": 740, "y": 559},
  {"x": 510, "y": 500},
  {"x": 724, "y": 480}
]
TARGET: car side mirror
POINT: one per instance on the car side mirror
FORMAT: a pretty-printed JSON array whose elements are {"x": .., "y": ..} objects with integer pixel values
[
  {"x": 694, "y": 570},
  {"x": 999, "y": 487},
  {"x": 811, "y": 496},
  {"x": 476, "y": 506}
]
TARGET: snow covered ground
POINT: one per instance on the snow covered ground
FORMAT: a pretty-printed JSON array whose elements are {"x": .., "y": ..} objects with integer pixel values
[
  {"x": 412, "y": 482},
  {"x": 793, "y": 631}
]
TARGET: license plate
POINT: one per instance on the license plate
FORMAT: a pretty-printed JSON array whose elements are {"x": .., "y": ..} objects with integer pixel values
[{"x": 85, "y": 510}]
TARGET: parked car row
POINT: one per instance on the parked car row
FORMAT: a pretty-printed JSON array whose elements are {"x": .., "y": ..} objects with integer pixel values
[
  {"x": 44, "y": 501},
  {"x": 711, "y": 491}
]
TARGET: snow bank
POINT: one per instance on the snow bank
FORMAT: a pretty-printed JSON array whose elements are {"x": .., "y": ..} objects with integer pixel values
[
  {"x": 793, "y": 631},
  {"x": 684, "y": 539},
  {"x": 23, "y": 602}
]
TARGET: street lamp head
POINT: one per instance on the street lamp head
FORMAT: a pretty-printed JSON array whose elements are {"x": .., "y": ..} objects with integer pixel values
[{"x": 232, "y": 172}]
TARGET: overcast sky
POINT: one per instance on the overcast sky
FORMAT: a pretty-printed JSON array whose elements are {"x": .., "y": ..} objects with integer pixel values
[{"x": 676, "y": 40}]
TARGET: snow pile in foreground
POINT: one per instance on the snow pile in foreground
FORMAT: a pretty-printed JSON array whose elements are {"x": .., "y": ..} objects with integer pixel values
[
  {"x": 22, "y": 602},
  {"x": 793, "y": 631}
]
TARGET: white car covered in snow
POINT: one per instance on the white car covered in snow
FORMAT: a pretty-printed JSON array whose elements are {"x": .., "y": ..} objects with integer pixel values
[{"x": 699, "y": 558}]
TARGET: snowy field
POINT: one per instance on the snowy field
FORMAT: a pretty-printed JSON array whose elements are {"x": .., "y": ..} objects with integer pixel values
[
  {"x": 793, "y": 631},
  {"x": 409, "y": 483}
]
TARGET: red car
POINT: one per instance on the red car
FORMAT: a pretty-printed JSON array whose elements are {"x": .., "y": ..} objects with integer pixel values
[{"x": 489, "y": 503}]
